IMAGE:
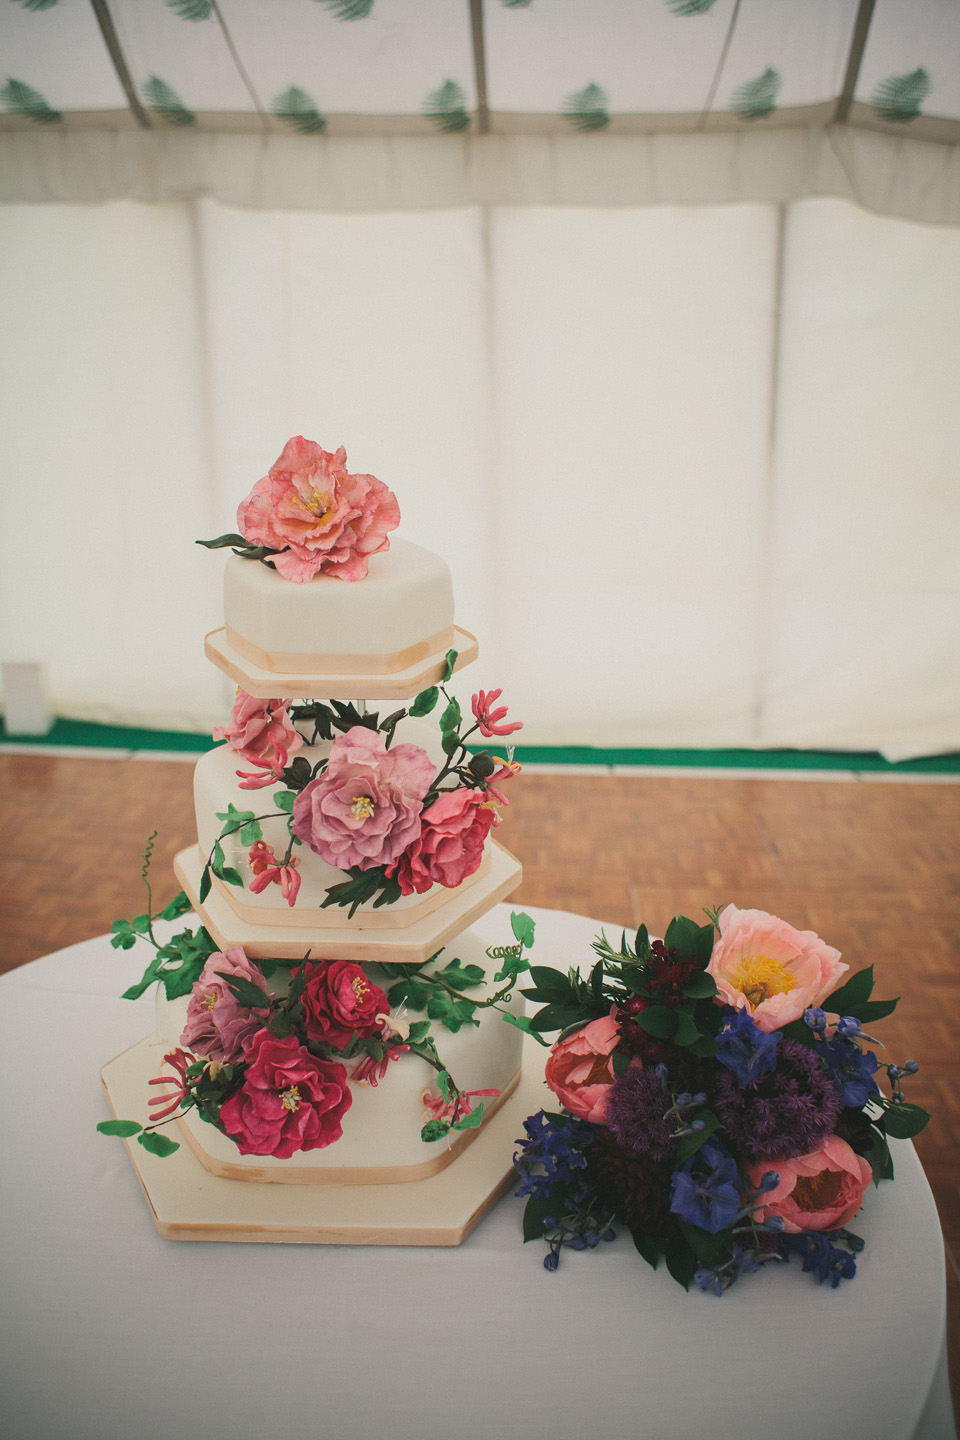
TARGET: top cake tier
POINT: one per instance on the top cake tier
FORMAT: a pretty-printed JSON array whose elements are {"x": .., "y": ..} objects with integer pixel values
[{"x": 384, "y": 637}]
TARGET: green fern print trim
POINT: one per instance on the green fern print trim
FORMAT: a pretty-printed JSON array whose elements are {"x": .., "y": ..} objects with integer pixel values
[
  {"x": 587, "y": 108},
  {"x": 21, "y": 99},
  {"x": 898, "y": 97},
  {"x": 191, "y": 9},
  {"x": 447, "y": 108},
  {"x": 296, "y": 108},
  {"x": 690, "y": 7},
  {"x": 164, "y": 100},
  {"x": 515, "y": 4},
  {"x": 37, "y": 4},
  {"x": 757, "y": 98},
  {"x": 348, "y": 9}
]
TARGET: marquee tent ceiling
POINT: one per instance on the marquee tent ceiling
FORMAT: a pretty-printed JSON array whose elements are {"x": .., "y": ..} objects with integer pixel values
[{"x": 355, "y": 67}]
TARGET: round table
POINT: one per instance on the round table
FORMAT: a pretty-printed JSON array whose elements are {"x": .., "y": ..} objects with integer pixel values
[{"x": 112, "y": 1333}]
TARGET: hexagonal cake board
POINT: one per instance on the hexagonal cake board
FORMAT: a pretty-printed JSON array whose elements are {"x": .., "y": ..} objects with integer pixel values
[{"x": 188, "y": 1203}]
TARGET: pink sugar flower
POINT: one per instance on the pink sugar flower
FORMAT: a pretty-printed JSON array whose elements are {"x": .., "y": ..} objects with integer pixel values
[
  {"x": 449, "y": 848},
  {"x": 436, "y": 1108},
  {"x": 218, "y": 1026},
  {"x": 181, "y": 1060},
  {"x": 508, "y": 768},
  {"x": 318, "y": 515},
  {"x": 490, "y": 720},
  {"x": 262, "y": 733},
  {"x": 766, "y": 967},
  {"x": 266, "y": 871},
  {"x": 819, "y": 1191},
  {"x": 371, "y": 1072},
  {"x": 290, "y": 1100},
  {"x": 365, "y": 808}
]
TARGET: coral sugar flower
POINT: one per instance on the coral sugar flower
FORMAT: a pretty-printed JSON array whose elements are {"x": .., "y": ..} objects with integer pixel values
[
  {"x": 490, "y": 720},
  {"x": 266, "y": 871},
  {"x": 181, "y": 1060}
]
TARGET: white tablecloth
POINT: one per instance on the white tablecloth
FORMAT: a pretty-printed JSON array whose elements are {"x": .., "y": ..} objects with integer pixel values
[{"x": 109, "y": 1331}]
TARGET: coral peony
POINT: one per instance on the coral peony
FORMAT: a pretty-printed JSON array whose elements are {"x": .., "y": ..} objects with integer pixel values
[
  {"x": 318, "y": 515},
  {"x": 289, "y": 1100},
  {"x": 339, "y": 1000},
  {"x": 579, "y": 1070},
  {"x": 262, "y": 733},
  {"x": 365, "y": 807},
  {"x": 453, "y": 833},
  {"x": 763, "y": 965},
  {"x": 218, "y": 1026},
  {"x": 819, "y": 1191}
]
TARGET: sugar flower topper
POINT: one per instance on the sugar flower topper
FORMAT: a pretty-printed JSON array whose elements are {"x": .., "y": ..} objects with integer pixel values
[{"x": 310, "y": 515}]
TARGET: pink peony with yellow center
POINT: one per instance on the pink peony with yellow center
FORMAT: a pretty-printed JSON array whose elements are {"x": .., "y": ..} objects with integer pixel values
[{"x": 766, "y": 967}]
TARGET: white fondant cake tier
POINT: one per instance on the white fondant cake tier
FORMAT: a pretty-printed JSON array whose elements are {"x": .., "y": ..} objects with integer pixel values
[
  {"x": 381, "y": 1141},
  {"x": 216, "y": 786},
  {"x": 400, "y": 614}
]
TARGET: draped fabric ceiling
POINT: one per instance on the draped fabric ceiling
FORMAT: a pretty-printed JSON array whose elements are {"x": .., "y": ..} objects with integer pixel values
[{"x": 648, "y": 309}]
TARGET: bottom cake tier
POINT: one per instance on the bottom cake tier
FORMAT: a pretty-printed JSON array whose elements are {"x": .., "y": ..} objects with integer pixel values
[{"x": 381, "y": 1141}]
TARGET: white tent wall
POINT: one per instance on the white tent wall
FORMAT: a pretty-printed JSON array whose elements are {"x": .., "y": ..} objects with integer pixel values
[{"x": 694, "y": 467}]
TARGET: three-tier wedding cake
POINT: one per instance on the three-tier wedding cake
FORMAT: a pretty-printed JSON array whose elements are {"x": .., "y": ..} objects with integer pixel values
[{"x": 342, "y": 1015}]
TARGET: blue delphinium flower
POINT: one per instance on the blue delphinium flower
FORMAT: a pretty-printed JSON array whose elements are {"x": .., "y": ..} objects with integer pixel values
[
  {"x": 851, "y": 1069},
  {"x": 821, "y": 1256},
  {"x": 746, "y": 1049},
  {"x": 550, "y": 1154},
  {"x": 705, "y": 1191}
]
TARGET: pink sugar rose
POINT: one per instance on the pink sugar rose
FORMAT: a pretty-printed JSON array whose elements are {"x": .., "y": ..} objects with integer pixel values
[
  {"x": 289, "y": 1100},
  {"x": 579, "y": 1069},
  {"x": 320, "y": 517},
  {"x": 819, "y": 1191},
  {"x": 262, "y": 733},
  {"x": 365, "y": 807},
  {"x": 338, "y": 999},
  {"x": 218, "y": 1026},
  {"x": 453, "y": 833},
  {"x": 764, "y": 966}
]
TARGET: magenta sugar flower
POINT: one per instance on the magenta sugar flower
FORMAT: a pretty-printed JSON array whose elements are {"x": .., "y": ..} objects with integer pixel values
[
  {"x": 317, "y": 515},
  {"x": 365, "y": 808},
  {"x": 290, "y": 1100}
]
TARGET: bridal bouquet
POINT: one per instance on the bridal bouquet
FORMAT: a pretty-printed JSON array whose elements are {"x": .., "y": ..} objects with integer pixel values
[{"x": 718, "y": 1096}]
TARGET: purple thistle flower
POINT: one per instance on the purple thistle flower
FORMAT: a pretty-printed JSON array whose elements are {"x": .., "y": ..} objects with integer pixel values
[
  {"x": 637, "y": 1113},
  {"x": 788, "y": 1112}
]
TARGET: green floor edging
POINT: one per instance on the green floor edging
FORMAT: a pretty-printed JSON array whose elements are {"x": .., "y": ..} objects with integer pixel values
[{"x": 114, "y": 737}]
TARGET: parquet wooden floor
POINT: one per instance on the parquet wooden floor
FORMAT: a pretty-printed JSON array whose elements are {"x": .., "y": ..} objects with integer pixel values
[{"x": 872, "y": 866}]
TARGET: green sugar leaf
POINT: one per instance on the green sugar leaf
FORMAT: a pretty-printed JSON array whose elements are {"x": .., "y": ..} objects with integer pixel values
[
  {"x": 181, "y": 904},
  {"x": 283, "y": 799},
  {"x": 451, "y": 717},
  {"x": 125, "y": 1128},
  {"x": 425, "y": 701},
  {"x": 450, "y": 663},
  {"x": 473, "y": 1121},
  {"x": 157, "y": 1144},
  {"x": 523, "y": 927}
]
